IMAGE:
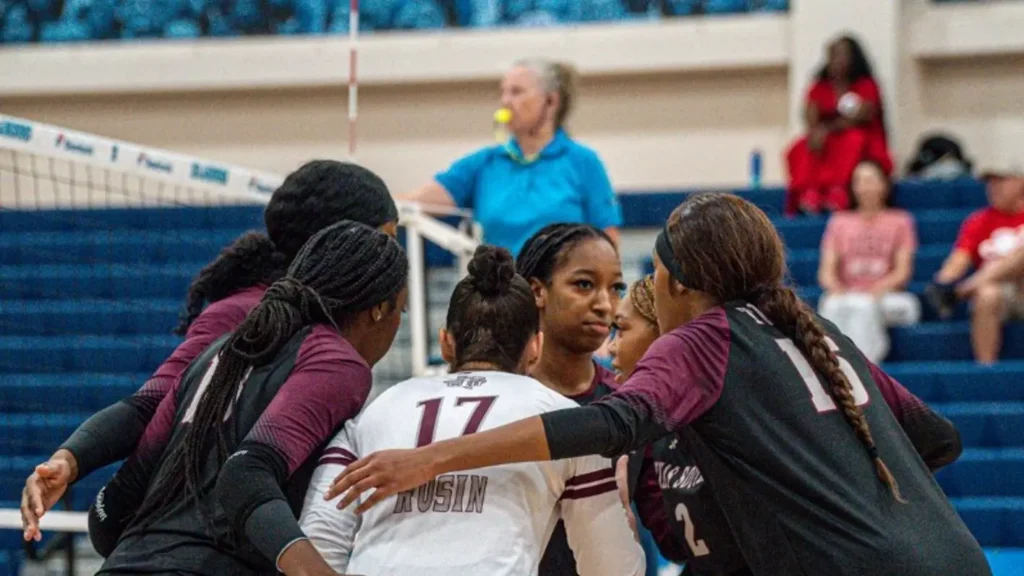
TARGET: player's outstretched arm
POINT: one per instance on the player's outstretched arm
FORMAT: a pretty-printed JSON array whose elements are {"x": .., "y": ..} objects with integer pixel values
[
  {"x": 113, "y": 433},
  {"x": 104, "y": 438},
  {"x": 392, "y": 471},
  {"x": 609, "y": 427}
]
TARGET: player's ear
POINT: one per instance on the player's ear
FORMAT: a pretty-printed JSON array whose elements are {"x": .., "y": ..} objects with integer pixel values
[
  {"x": 447, "y": 346},
  {"x": 676, "y": 287},
  {"x": 540, "y": 292},
  {"x": 380, "y": 311},
  {"x": 531, "y": 354}
]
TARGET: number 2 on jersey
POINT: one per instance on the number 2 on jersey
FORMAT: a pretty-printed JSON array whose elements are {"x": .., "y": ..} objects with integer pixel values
[
  {"x": 432, "y": 409},
  {"x": 698, "y": 547},
  {"x": 822, "y": 400}
]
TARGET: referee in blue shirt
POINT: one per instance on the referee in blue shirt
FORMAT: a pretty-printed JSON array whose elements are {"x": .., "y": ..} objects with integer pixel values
[{"x": 540, "y": 176}]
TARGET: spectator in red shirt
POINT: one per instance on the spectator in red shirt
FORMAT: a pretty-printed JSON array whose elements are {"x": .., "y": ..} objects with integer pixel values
[
  {"x": 986, "y": 237},
  {"x": 845, "y": 124}
]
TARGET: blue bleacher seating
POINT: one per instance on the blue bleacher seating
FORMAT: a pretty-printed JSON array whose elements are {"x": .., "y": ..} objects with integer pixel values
[
  {"x": 419, "y": 15},
  {"x": 84, "y": 20},
  {"x": 17, "y": 26},
  {"x": 8, "y": 562},
  {"x": 64, "y": 31},
  {"x": 725, "y": 6},
  {"x": 183, "y": 29}
]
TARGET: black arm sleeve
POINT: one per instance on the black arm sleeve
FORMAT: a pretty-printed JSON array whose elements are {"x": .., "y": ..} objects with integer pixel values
[
  {"x": 936, "y": 439},
  {"x": 610, "y": 427},
  {"x": 114, "y": 507},
  {"x": 249, "y": 489},
  {"x": 108, "y": 435}
]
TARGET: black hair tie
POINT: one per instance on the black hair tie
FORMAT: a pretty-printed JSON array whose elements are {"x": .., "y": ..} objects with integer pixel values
[
  {"x": 667, "y": 255},
  {"x": 873, "y": 452}
]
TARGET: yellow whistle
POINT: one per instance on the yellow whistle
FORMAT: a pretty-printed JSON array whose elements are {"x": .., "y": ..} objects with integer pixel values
[{"x": 502, "y": 115}]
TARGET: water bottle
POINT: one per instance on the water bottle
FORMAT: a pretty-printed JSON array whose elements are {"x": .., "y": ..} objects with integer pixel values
[{"x": 755, "y": 170}]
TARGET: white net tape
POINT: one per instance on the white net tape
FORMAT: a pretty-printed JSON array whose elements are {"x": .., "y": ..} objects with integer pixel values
[
  {"x": 88, "y": 171},
  {"x": 64, "y": 181}
]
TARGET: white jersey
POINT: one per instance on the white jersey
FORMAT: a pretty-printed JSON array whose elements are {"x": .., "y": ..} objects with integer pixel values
[{"x": 494, "y": 521}]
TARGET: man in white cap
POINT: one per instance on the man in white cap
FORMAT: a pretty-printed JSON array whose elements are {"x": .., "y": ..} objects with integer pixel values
[{"x": 989, "y": 240}]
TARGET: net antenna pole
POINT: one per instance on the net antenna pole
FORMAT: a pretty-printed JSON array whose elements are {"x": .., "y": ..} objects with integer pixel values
[{"x": 353, "y": 78}]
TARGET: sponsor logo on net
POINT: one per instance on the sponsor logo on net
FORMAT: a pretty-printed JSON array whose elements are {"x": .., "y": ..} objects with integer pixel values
[
  {"x": 257, "y": 185},
  {"x": 15, "y": 130},
  {"x": 151, "y": 163},
  {"x": 65, "y": 143},
  {"x": 209, "y": 173}
]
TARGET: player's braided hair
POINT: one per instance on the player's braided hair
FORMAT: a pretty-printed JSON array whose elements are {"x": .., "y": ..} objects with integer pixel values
[
  {"x": 641, "y": 294},
  {"x": 544, "y": 251},
  {"x": 343, "y": 270},
  {"x": 316, "y": 195},
  {"x": 492, "y": 313},
  {"x": 727, "y": 248}
]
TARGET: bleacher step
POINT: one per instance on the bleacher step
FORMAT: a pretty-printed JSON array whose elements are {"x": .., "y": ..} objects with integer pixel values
[{"x": 961, "y": 381}]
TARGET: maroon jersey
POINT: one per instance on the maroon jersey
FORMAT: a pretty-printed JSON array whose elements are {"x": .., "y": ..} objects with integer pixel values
[
  {"x": 292, "y": 406},
  {"x": 112, "y": 434},
  {"x": 216, "y": 320},
  {"x": 795, "y": 484}
]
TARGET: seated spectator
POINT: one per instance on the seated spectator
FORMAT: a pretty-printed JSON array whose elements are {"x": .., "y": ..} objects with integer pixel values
[
  {"x": 845, "y": 124},
  {"x": 867, "y": 258},
  {"x": 1009, "y": 269},
  {"x": 986, "y": 237}
]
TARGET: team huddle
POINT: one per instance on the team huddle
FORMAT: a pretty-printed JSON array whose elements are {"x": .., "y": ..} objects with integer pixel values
[{"x": 750, "y": 436}]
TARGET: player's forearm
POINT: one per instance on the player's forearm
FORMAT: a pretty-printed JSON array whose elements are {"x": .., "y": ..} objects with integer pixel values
[
  {"x": 610, "y": 427},
  {"x": 520, "y": 441},
  {"x": 72, "y": 462},
  {"x": 302, "y": 559},
  {"x": 106, "y": 437}
]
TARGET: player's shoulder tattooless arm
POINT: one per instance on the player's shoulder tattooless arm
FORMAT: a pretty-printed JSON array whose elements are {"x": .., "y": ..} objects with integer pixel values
[
  {"x": 331, "y": 531},
  {"x": 595, "y": 522}
]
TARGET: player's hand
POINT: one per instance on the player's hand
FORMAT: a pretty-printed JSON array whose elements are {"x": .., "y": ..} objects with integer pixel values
[
  {"x": 622, "y": 481},
  {"x": 388, "y": 472},
  {"x": 43, "y": 489}
]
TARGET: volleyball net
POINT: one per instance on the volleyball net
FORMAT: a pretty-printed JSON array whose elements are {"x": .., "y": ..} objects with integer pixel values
[{"x": 99, "y": 240}]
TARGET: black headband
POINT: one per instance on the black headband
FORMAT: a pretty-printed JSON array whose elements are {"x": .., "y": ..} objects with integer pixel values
[{"x": 668, "y": 256}]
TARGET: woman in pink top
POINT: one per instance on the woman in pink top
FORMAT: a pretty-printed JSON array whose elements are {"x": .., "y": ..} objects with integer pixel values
[
  {"x": 317, "y": 195},
  {"x": 867, "y": 259}
]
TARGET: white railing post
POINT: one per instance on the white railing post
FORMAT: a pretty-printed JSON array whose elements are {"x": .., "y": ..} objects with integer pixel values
[{"x": 411, "y": 214}]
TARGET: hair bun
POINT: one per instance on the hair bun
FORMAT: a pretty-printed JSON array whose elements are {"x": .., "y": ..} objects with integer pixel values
[{"x": 491, "y": 270}]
